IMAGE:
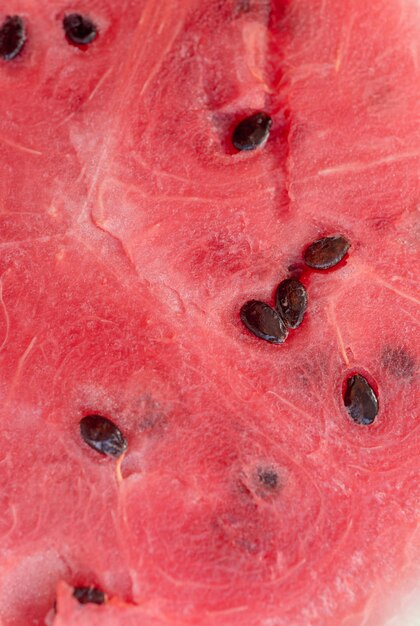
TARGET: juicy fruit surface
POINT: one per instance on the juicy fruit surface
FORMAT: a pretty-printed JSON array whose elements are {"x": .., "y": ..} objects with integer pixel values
[{"x": 131, "y": 234}]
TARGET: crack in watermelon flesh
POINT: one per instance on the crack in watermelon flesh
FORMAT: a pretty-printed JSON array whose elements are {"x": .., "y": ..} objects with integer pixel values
[{"x": 131, "y": 233}]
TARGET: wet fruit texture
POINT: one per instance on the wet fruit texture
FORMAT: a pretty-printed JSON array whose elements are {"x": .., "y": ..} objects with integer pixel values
[{"x": 132, "y": 232}]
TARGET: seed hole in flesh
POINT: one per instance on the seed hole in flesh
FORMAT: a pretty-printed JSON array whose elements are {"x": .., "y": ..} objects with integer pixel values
[
  {"x": 79, "y": 30},
  {"x": 360, "y": 400},
  {"x": 268, "y": 478},
  {"x": 263, "y": 321},
  {"x": 242, "y": 6},
  {"x": 12, "y": 37},
  {"x": 102, "y": 435},
  {"x": 398, "y": 363},
  {"x": 326, "y": 252},
  {"x": 252, "y": 132},
  {"x": 89, "y": 595},
  {"x": 291, "y": 302}
]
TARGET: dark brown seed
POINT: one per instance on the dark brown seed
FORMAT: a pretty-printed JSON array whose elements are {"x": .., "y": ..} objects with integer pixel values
[
  {"x": 12, "y": 37},
  {"x": 291, "y": 302},
  {"x": 79, "y": 29},
  {"x": 252, "y": 132},
  {"x": 326, "y": 252},
  {"x": 263, "y": 321},
  {"x": 102, "y": 435},
  {"x": 89, "y": 595},
  {"x": 268, "y": 478},
  {"x": 360, "y": 400}
]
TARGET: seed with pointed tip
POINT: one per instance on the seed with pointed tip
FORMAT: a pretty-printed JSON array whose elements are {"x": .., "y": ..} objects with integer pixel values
[
  {"x": 12, "y": 37},
  {"x": 326, "y": 252},
  {"x": 291, "y": 302},
  {"x": 360, "y": 400},
  {"x": 102, "y": 435},
  {"x": 263, "y": 321},
  {"x": 252, "y": 132}
]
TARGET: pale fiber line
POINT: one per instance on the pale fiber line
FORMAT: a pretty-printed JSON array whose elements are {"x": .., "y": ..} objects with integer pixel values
[
  {"x": 357, "y": 166},
  {"x": 408, "y": 314},
  {"x": 25, "y": 355},
  {"x": 19, "y": 368},
  {"x": 397, "y": 291},
  {"x": 6, "y": 315},
  {"x": 343, "y": 45},
  {"x": 289, "y": 404},
  {"x": 91, "y": 96},
  {"x": 333, "y": 319},
  {"x": 18, "y": 146},
  {"x": 99, "y": 84}
]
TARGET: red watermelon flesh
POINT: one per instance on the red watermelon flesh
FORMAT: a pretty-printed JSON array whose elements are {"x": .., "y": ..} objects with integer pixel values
[{"x": 131, "y": 234}]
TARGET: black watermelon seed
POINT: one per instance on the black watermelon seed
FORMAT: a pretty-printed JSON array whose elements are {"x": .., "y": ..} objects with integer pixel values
[
  {"x": 398, "y": 363},
  {"x": 268, "y": 478},
  {"x": 79, "y": 29},
  {"x": 326, "y": 252},
  {"x": 252, "y": 132},
  {"x": 263, "y": 321},
  {"x": 102, "y": 435},
  {"x": 360, "y": 400},
  {"x": 89, "y": 595},
  {"x": 12, "y": 37},
  {"x": 291, "y": 302}
]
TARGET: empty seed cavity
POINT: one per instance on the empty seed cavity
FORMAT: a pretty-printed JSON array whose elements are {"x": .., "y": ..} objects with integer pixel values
[
  {"x": 252, "y": 132},
  {"x": 268, "y": 478},
  {"x": 79, "y": 29},
  {"x": 326, "y": 252},
  {"x": 398, "y": 363},
  {"x": 89, "y": 595},
  {"x": 12, "y": 37},
  {"x": 360, "y": 400},
  {"x": 263, "y": 321},
  {"x": 291, "y": 302},
  {"x": 102, "y": 435}
]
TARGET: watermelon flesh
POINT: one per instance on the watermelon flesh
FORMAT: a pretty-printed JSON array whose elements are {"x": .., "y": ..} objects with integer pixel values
[{"x": 131, "y": 234}]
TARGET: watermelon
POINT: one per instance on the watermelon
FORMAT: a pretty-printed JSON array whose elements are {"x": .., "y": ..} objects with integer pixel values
[{"x": 161, "y": 462}]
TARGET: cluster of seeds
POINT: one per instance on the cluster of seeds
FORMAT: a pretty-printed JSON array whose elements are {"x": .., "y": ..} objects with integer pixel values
[
  {"x": 272, "y": 324},
  {"x": 78, "y": 29}
]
